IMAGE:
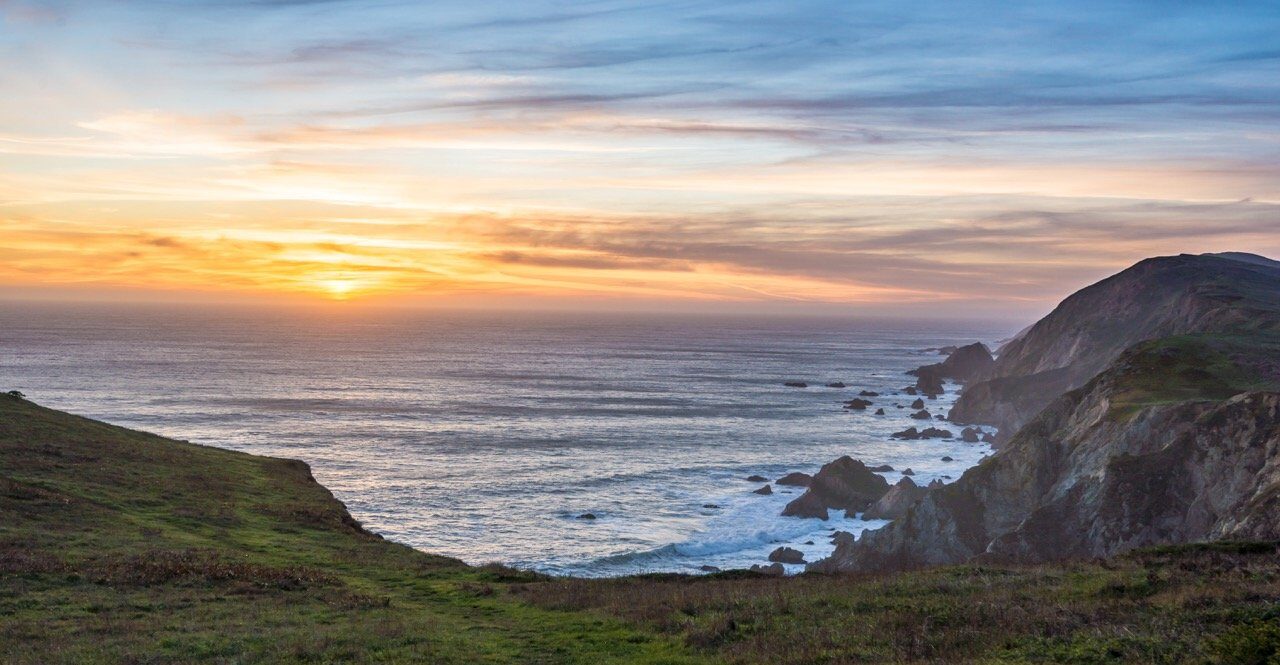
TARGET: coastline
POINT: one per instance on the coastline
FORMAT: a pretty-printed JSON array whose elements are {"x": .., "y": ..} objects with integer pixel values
[
  {"x": 125, "y": 546},
  {"x": 639, "y": 422}
]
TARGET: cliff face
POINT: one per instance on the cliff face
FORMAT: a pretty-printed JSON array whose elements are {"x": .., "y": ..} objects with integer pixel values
[
  {"x": 1155, "y": 298},
  {"x": 1179, "y": 441}
]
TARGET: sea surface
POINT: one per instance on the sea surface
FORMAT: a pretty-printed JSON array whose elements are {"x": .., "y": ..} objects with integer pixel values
[{"x": 486, "y": 436}]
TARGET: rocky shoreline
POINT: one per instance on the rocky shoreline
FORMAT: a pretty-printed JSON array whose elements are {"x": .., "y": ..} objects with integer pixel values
[
  {"x": 863, "y": 492},
  {"x": 1144, "y": 410}
]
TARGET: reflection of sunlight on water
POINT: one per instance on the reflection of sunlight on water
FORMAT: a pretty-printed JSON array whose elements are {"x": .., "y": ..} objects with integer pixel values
[{"x": 484, "y": 436}]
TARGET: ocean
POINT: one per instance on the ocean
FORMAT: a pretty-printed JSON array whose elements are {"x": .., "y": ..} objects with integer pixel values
[{"x": 486, "y": 436}]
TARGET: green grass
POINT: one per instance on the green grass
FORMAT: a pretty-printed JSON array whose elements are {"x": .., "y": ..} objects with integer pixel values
[
  {"x": 119, "y": 546},
  {"x": 1175, "y": 605},
  {"x": 1206, "y": 367}
]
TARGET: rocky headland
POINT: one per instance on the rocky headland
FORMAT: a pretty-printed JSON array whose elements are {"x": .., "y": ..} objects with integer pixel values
[{"x": 1144, "y": 410}]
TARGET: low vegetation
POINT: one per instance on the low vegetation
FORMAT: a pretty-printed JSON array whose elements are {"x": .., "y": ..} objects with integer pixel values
[
  {"x": 1217, "y": 603},
  {"x": 1207, "y": 367},
  {"x": 118, "y": 546}
]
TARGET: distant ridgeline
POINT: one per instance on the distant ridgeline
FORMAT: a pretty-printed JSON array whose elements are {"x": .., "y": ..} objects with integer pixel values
[{"x": 1143, "y": 410}]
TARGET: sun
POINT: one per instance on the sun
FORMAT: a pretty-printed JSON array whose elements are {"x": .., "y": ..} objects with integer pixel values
[{"x": 338, "y": 289}]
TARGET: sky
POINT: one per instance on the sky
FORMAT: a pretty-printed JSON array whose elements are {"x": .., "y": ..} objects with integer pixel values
[{"x": 943, "y": 158}]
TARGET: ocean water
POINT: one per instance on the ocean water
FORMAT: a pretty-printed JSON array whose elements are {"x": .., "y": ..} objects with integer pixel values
[{"x": 485, "y": 436}]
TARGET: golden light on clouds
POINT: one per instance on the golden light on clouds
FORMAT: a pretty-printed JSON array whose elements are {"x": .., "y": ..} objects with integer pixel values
[{"x": 332, "y": 153}]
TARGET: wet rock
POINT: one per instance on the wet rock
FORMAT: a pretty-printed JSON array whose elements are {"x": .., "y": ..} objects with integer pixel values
[
  {"x": 879, "y": 412},
  {"x": 710, "y": 506},
  {"x": 795, "y": 479},
  {"x": 918, "y": 404},
  {"x": 587, "y": 516},
  {"x": 965, "y": 363},
  {"x": 935, "y": 433},
  {"x": 842, "y": 537},
  {"x": 987, "y": 437},
  {"x": 910, "y": 390},
  {"x": 836, "y": 384},
  {"x": 756, "y": 479},
  {"x": 908, "y": 472},
  {"x": 763, "y": 491},
  {"x": 908, "y": 434},
  {"x": 868, "y": 393},
  {"x": 969, "y": 435},
  {"x": 922, "y": 414},
  {"x": 786, "y": 555},
  {"x": 857, "y": 404},
  {"x": 774, "y": 569},
  {"x": 930, "y": 385},
  {"x": 947, "y": 458},
  {"x": 882, "y": 468},
  {"x": 845, "y": 484},
  {"x": 796, "y": 384}
]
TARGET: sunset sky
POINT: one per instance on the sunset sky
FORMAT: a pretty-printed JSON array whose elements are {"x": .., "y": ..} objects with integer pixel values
[{"x": 955, "y": 157}]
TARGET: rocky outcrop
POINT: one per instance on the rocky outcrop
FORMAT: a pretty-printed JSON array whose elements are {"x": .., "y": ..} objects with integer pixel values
[
  {"x": 763, "y": 491},
  {"x": 795, "y": 479},
  {"x": 1155, "y": 298},
  {"x": 911, "y": 434},
  {"x": 1172, "y": 444},
  {"x": 930, "y": 385},
  {"x": 845, "y": 484},
  {"x": 896, "y": 502},
  {"x": 786, "y": 555},
  {"x": 964, "y": 364},
  {"x": 857, "y": 404}
]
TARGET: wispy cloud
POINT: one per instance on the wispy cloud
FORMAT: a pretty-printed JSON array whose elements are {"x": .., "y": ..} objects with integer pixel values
[{"x": 815, "y": 151}]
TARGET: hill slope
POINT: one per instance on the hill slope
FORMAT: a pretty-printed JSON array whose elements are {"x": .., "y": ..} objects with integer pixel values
[
  {"x": 120, "y": 546},
  {"x": 1158, "y": 297},
  {"x": 1178, "y": 442}
]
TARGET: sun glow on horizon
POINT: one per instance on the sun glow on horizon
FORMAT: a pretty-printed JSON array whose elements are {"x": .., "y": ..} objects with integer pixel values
[{"x": 339, "y": 289}]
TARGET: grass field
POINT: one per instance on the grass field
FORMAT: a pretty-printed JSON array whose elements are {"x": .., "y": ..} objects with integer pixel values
[{"x": 120, "y": 546}]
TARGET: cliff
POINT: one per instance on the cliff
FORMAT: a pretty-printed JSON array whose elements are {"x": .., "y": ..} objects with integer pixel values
[
  {"x": 1177, "y": 441},
  {"x": 1155, "y": 298}
]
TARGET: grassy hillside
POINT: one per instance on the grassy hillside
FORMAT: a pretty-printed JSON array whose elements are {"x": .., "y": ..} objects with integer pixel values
[
  {"x": 1204, "y": 367},
  {"x": 118, "y": 546}
]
